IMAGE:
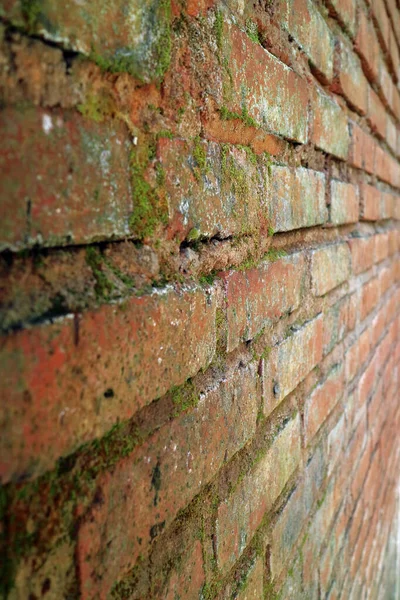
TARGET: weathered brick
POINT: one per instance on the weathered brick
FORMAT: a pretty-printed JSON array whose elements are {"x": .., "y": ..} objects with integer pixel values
[
  {"x": 269, "y": 91},
  {"x": 376, "y": 113},
  {"x": 66, "y": 179},
  {"x": 305, "y": 24},
  {"x": 187, "y": 581},
  {"x": 215, "y": 197},
  {"x": 330, "y": 129},
  {"x": 242, "y": 512},
  {"x": 253, "y": 585},
  {"x": 370, "y": 202},
  {"x": 292, "y": 519},
  {"x": 351, "y": 80},
  {"x": 69, "y": 381},
  {"x": 344, "y": 203},
  {"x": 362, "y": 149},
  {"x": 259, "y": 296},
  {"x": 296, "y": 198},
  {"x": 322, "y": 401},
  {"x": 111, "y": 34},
  {"x": 367, "y": 45},
  {"x": 163, "y": 474},
  {"x": 381, "y": 246},
  {"x": 369, "y": 297},
  {"x": 345, "y": 10},
  {"x": 337, "y": 321},
  {"x": 335, "y": 442},
  {"x": 362, "y": 253},
  {"x": 330, "y": 267},
  {"x": 290, "y": 361}
]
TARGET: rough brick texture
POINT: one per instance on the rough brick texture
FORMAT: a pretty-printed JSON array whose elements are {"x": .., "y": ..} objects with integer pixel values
[{"x": 199, "y": 299}]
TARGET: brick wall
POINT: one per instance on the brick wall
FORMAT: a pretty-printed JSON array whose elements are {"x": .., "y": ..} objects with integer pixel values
[{"x": 200, "y": 300}]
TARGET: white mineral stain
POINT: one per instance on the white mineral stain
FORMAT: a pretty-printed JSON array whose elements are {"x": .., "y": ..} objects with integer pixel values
[{"x": 47, "y": 124}]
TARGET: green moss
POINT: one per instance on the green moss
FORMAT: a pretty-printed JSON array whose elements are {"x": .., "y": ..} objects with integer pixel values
[
  {"x": 219, "y": 28},
  {"x": 208, "y": 279},
  {"x": 164, "y": 42},
  {"x": 96, "y": 107},
  {"x": 233, "y": 175},
  {"x": 268, "y": 162},
  {"x": 271, "y": 231},
  {"x": 160, "y": 175},
  {"x": 193, "y": 235},
  {"x": 94, "y": 259},
  {"x": 128, "y": 281},
  {"x": 148, "y": 209},
  {"x": 165, "y": 133},
  {"x": 200, "y": 157},
  {"x": 251, "y": 155},
  {"x": 184, "y": 397},
  {"x": 275, "y": 254},
  {"x": 31, "y": 10},
  {"x": 228, "y": 115},
  {"x": 252, "y": 31}
]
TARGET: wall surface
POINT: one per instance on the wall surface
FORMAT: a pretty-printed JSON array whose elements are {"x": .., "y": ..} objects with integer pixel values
[{"x": 200, "y": 300}]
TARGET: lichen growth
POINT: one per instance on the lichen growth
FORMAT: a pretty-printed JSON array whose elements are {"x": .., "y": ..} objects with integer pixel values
[{"x": 252, "y": 31}]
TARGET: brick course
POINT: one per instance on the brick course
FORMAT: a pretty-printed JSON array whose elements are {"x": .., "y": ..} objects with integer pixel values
[{"x": 199, "y": 299}]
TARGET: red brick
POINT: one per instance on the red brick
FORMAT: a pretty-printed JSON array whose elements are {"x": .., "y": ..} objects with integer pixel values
[
  {"x": 352, "y": 361},
  {"x": 187, "y": 581},
  {"x": 369, "y": 297},
  {"x": 330, "y": 128},
  {"x": 260, "y": 296},
  {"x": 69, "y": 381},
  {"x": 305, "y": 24},
  {"x": 184, "y": 455},
  {"x": 382, "y": 20},
  {"x": 290, "y": 361},
  {"x": 376, "y": 113},
  {"x": 330, "y": 266},
  {"x": 335, "y": 442},
  {"x": 381, "y": 247},
  {"x": 112, "y": 34},
  {"x": 370, "y": 202},
  {"x": 336, "y": 324},
  {"x": 362, "y": 149},
  {"x": 296, "y": 198},
  {"x": 344, "y": 203},
  {"x": 367, "y": 45},
  {"x": 352, "y": 81},
  {"x": 321, "y": 402},
  {"x": 241, "y": 514},
  {"x": 267, "y": 87},
  {"x": 391, "y": 133},
  {"x": 345, "y": 10},
  {"x": 387, "y": 205},
  {"x": 66, "y": 179},
  {"x": 362, "y": 253}
]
